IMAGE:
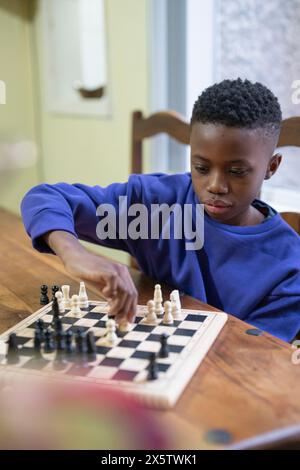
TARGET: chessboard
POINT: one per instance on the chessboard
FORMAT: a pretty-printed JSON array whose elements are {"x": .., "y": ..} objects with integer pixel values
[{"x": 125, "y": 364}]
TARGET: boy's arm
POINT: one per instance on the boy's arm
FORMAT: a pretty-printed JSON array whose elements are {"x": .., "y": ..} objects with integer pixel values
[
  {"x": 55, "y": 215},
  {"x": 113, "y": 279}
]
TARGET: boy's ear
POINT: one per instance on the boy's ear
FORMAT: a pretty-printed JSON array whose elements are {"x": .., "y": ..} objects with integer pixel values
[{"x": 273, "y": 165}]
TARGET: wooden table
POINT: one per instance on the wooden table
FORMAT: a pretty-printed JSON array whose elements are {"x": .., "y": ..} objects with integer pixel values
[{"x": 247, "y": 385}]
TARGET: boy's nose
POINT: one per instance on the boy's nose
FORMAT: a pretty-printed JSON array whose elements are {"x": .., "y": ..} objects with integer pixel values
[{"x": 217, "y": 184}]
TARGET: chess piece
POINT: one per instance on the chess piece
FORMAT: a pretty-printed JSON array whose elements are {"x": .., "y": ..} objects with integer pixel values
[
  {"x": 176, "y": 296},
  {"x": 40, "y": 328},
  {"x": 54, "y": 290},
  {"x": 91, "y": 347},
  {"x": 83, "y": 298},
  {"x": 111, "y": 336},
  {"x": 37, "y": 346},
  {"x": 168, "y": 317},
  {"x": 49, "y": 345},
  {"x": 164, "y": 349},
  {"x": 152, "y": 368},
  {"x": 60, "y": 301},
  {"x": 75, "y": 309},
  {"x": 12, "y": 349},
  {"x": 60, "y": 362},
  {"x": 66, "y": 296},
  {"x": 151, "y": 317},
  {"x": 81, "y": 349},
  {"x": 44, "y": 299},
  {"x": 55, "y": 311},
  {"x": 158, "y": 300},
  {"x": 176, "y": 310},
  {"x": 69, "y": 349}
]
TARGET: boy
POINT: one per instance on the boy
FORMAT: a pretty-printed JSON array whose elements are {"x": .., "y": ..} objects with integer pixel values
[{"x": 250, "y": 261}]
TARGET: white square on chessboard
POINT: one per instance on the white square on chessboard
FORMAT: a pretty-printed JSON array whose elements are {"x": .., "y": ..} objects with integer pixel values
[
  {"x": 134, "y": 364},
  {"x": 103, "y": 342},
  {"x": 99, "y": 309},
  {"x": 190, "y": 325},
  {"x": 27, "y": 333},
  {"x": 88, "y": 322},
  {"x": 177, "y": 340},
  {"x": 136, "y": 336},
  {"x": 102, "y": 372},
  {"x": 160, "y": 329},
  {"x": 171, "y": 359},
  {"x": 120, "y": 353},
  {"x": 99, "y": 331},
  {"x": 149, "y": 346}
]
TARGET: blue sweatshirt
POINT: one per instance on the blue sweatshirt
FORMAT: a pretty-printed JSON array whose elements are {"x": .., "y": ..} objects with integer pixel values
[{"x": 251, "y": 272}]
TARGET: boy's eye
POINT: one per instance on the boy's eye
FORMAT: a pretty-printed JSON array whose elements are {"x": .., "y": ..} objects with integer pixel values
[
  {"x": 201, "y": 169},
  {"x": 238, "y": 172},
  {"x": 235, "y": 171}
]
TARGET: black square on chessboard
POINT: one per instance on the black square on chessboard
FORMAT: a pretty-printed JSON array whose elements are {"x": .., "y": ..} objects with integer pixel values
[
  {"x": 163, "y": 367},
  {"x": 79, "y": 371},
  {"x": 127, "y": 375},
  {"x": 84, "y": 329},
  {"x": 26, "y": 351},
  {"x": 94, "y": 315},
  {"x": 111, "y": 362},
  {"x": 145, "y": 328},
  {"x": 153, "y": 337},
  {"x": 198, "y": 318},
  {"x": 102, "y": 350},
  {"x": 184, "y": 332},
  {"x": 126, "y": 343},
  {"x": 141, "y": 355},
  {"x": 173, "y": 348},
  {"x": 36, "y": 364},
  {"x": 21, "y": 340},
  {"x": 99, "y": 324},
  {"x": 68, "y": 320}
]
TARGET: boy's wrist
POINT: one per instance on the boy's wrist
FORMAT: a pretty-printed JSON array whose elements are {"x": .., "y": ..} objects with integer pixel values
[{"x": 64, "y": 244}]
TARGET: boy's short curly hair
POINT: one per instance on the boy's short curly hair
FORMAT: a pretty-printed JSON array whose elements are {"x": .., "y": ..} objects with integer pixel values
[{"x": 239, "y": 103}]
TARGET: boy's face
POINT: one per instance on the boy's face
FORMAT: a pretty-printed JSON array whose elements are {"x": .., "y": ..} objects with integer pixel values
[{"x": 228, "y": 166}]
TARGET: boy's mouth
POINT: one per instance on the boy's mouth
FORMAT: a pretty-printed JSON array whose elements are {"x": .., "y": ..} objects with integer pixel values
[{"x": 217, "y": 206}]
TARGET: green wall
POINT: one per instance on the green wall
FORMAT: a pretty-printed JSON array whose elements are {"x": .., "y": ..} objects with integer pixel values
[{"x": 89, "y": 150}]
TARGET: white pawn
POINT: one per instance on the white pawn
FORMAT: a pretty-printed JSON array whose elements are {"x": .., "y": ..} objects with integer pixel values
[
  {"x": 177, "y": 298},
  {"x": 176, "y": 311},
  {"x": 158, "y": 300},
  {"x": 60, "y": 301},
  {"x": 168, "y": 317},
  {"x": 124, "y": 326},
  {"x": 66, "y": 293},
  {"x": 151, "y": 315},
  {"x": 83, "y": 298},
  {"x": 75, "y": 308},
  {"x": 111, "y": 336}
]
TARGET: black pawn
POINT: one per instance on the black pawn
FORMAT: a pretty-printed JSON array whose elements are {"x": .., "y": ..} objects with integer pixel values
[
  {"x": 152, "y": 368},
  {"x": 44, "y": 299},
  {"x": 59, "y": 361},
  {"x": 49, "y": 345},
  {"x": 81, "y": 350},
  {"x": 40, "y": 325},
  {"x": 37, "y": 342},
  {"x": 54, "y": 290},
  {"x": 12, "y": 349},
  {"x": 69, "y": 349},
  {"x": 91, "y": 347},
  {"x": 164, "y": 348},
  {"x": 56, "y": 316}
]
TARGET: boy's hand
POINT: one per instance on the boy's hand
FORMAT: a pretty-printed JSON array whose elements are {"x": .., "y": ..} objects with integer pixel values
[{"x": 113, "y": 279}]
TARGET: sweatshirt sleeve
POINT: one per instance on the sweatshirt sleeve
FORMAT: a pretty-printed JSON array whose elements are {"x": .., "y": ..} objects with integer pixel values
[
  {"x": 73, "y": 208},
  {"x": 279, "y": 315}
]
